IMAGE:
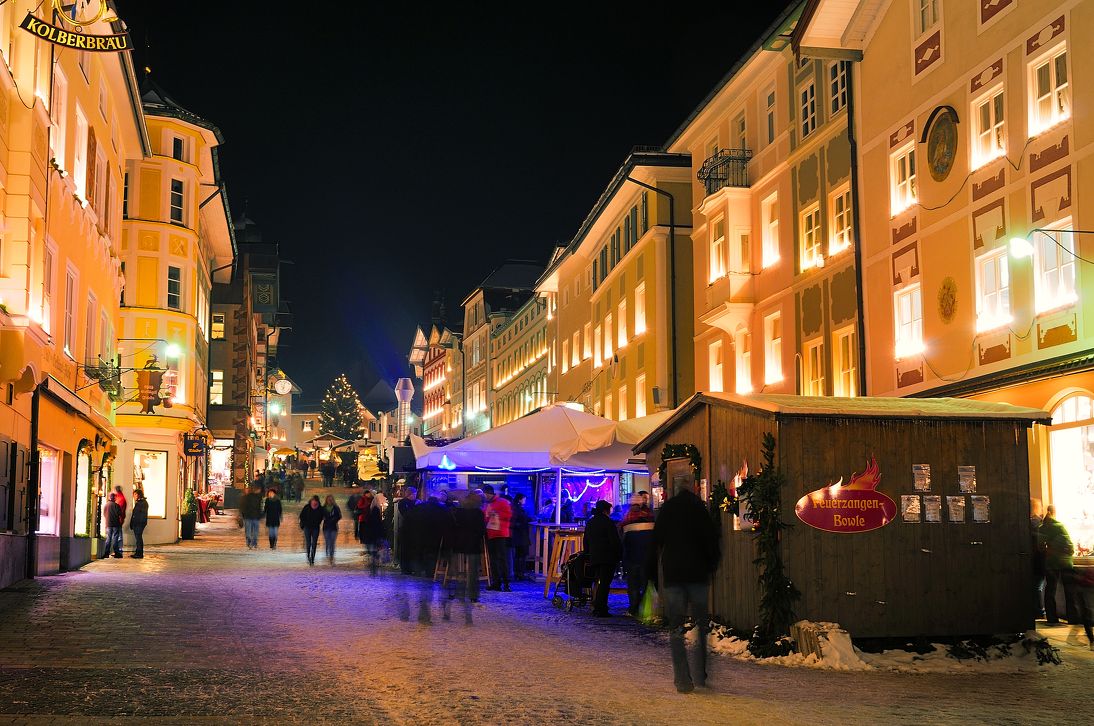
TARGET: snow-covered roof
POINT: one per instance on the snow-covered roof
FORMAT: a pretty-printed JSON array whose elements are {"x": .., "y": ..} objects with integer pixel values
[
  {"x": 861, "y": 407},
  {"x": 877, "y": 406}
]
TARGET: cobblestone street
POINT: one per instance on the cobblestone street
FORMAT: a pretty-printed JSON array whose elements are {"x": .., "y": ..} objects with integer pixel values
[{"x": 207, "y": 631}]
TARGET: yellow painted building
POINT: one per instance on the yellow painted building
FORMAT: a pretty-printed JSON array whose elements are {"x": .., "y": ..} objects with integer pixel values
[
  {"x": 974, "y": 148},
  {"x": 520, "y": 360},
  {"x": 775, "y": 289},
  {"x": 176, "y": 237},
  {"x": 69, "y": 123},
  {"x": 616, "y": 290}
]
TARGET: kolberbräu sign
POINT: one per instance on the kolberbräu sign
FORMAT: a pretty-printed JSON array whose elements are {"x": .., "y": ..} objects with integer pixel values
[
  {"x": 74, "y": 37},
  {"x": 845, "y": 509}
]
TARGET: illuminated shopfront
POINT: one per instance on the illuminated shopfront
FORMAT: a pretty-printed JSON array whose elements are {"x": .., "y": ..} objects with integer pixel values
[
  {"x": 150, "y": 475},
  {"x": 81, "y": 513},
  {"x": 49, "y": 500},
  {"x": 1071, "y": 469},
  {"x": 220, "y": 465}
]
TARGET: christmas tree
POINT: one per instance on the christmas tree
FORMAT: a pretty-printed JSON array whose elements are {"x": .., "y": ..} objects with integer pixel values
[{"x": 340, "y": 412}]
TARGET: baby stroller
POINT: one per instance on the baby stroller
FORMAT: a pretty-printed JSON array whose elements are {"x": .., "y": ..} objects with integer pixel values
[{"x": 576, "y": 582}]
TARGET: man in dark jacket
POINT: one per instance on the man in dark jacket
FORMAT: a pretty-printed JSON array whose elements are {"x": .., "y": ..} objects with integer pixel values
[
  {"x": 1055, "y": 543},
  {"x": 603, "y": 548},
  {"x": 311, "y": 520},
  {"x": 467, "y": 534},
  {"x": 250, "y": 509},
  {"x": 137, "y": 522},
  {"x": 686, "y": 545},
  {"x": 112, "y": 513},
  {"x": 433, "y": 519},
  {"x": 273, "y": 517},
  {"x": 637, "y": 538}
]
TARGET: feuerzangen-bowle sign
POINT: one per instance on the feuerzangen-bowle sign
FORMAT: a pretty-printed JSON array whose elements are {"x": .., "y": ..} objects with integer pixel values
[{"x": 77, "y": 17}]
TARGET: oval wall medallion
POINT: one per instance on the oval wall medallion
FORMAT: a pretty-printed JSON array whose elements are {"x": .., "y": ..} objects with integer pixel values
[{"x": 947, "y": 300}]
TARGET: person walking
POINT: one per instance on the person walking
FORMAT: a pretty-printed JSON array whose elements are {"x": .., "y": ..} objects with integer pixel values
[
  {"x": 137, "y": 522},
  {"x": 637, "y": 538},
  {"x": 273, "y": 517},
  {"x": 311, "y": 520},
  {"x": 519, "y": 530},
  {"x": 112, "y": 542},
  {"x": 250, "y": 509},
  {"x": 499, "y": 514},
  {"x": 372, "y": 530},
  {"x": 351, "y": 507},
  {"x": 467, "y": 533},
  {"x": 1038, "y": 558},
  {"x": 603, "y": 548},
  {"x": 1054, "y": 541},
  {"x": 404, "y": 530},
  {"x": 685, "y": 543},
  {"x": 332, "y": 515}
]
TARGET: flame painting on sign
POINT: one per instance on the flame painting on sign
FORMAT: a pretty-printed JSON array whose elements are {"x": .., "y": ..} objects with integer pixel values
[{"x": 856, "y": 507}]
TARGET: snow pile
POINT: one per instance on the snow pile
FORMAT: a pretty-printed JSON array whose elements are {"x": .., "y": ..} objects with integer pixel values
[{"x": 837, "y": 652}]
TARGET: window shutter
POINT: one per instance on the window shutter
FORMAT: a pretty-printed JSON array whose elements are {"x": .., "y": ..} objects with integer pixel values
[{"x": 89, "y": 187}]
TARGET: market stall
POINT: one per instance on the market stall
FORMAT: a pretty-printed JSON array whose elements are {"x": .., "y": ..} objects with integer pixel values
[
  {"x": 559, "y": 453},
  {"x": 910, "y": 517}
]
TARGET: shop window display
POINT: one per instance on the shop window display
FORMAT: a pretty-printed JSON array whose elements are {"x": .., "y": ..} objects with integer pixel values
[
  {"x": 150, "y": 474},
  {"x": 81, "y": 514},
  {"x": 49, "y": 503},
  {"x": 1071, "y": 445}
]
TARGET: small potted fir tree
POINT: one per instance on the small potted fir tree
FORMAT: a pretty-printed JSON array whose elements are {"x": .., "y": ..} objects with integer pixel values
[{"x": 188, "y": 514}]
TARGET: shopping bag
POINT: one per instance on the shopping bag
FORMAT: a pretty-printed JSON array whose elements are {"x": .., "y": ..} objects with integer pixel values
[{"x": 646, "y": 608}]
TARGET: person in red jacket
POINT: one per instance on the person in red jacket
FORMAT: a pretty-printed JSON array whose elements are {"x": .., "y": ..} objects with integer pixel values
[
  {"x": 498, "y": 515},
  {"x": 119, "y": 499}
]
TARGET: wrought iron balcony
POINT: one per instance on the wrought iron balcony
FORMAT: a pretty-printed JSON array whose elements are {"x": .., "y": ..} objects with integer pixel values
[{"x": 725, "y": 168}]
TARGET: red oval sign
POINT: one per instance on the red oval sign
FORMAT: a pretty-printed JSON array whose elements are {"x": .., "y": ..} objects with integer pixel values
[{"x": 844, "y": 509}]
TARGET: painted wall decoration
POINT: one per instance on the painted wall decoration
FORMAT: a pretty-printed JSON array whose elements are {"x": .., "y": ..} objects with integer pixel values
[
  {"x": 942, "y": 143},
  {"x": 947, "y": 300},
  {"x": 847, "y": 509}
]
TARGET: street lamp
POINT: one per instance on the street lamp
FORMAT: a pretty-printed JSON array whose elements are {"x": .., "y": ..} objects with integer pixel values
[
  {"x": 173, "y": 350},
  {"x": 1022, "y": 247}
]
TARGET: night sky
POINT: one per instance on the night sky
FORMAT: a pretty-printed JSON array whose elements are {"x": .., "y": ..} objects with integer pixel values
[{"x": 396, "y": 152}]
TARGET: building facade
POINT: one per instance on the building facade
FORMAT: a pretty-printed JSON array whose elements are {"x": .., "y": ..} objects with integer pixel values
[
  {"x": 974, "y": 276},
  {"x": 620, "y": 294},
  {"x": 442, "y": 383},
  {"x": 519, "y": 355},
  {"x": 487, "y": 309},
  {"x": 69, "y": 123},
  {"x": 176, "y": 232},
  {"x": 776, "y": 293}
]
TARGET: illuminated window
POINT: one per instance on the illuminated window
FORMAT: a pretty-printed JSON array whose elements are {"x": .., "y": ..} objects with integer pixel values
[
  {"x": 743, "y": 363},
  {"x": 587, "y": 339},
  {"x": 717, "y": 249},
  {"x": 622, "y": 403},
  {"x": 216, "y": 388},
  {"x": 79, "y": 154},
  {"x": 840, "y": 237},
  {"x": 814, "y": 369},
  {"x": 989, "y": 141},
  {"x": 57, "y": 113},
  {"x": 597, "y": 359},
  {"x": 70, "y": 312},
  {"x": 846, "y": 383},
  {"x": 174, "y": 288},
  {"x": 837, "y": 86},
  {"x": 178, "y": 202},
  {"x": 608, "y": 337},
  {"x": 770, "y": 96},
  {"x": 309, "y": 425},
  {"x": 908, "y": 312},
  {"x": 565, "y": 355},
  {"x": 1054, "y": 262},
  {"x": 811, "y": 238},
  {"x": 640, "y": 308},
  {"x": 905, "y": 193},
  {"x": 773, "y": 349},
  {"x": 714, "y": 358},
  {"x": 992, "y": 290},
  {"x": 609, "y": 409},
  {"x": 218, "y": 326},
  {"x": 927, "y": 16},
  {"x": 1050, "y": 94},
  {"x": 769, "y": 210},
  {"x": 640, "y": 396},
  {"x": 808, "y": 107},
  {"x": 621, "y": 326},
  {"x": 576, "y": 349}
]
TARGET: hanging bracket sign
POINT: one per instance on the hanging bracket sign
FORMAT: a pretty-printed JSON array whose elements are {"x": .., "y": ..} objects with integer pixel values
[
  {"x": 846, "y": 509},
  {"x": 77, "y": 17}
]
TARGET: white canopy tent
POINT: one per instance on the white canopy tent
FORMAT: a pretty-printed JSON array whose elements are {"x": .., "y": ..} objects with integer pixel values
[{"x": 555, "y": 437}]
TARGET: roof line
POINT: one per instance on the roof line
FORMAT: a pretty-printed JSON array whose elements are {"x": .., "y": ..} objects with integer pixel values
[{"x": 733, "y": 71}]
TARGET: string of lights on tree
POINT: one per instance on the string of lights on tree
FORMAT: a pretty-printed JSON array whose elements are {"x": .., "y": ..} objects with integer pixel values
[{"x": 340, "y": 411}]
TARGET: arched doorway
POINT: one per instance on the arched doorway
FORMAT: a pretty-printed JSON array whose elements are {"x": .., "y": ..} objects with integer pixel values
[{"x": 1071, "y": 476}]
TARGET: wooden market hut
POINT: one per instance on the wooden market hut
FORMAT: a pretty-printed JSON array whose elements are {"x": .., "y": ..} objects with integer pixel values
[{"x": 905, "y": 578}]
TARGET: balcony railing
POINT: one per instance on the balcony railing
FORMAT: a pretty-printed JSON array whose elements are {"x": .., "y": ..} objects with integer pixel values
[{"x": 726, "y": 168}]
